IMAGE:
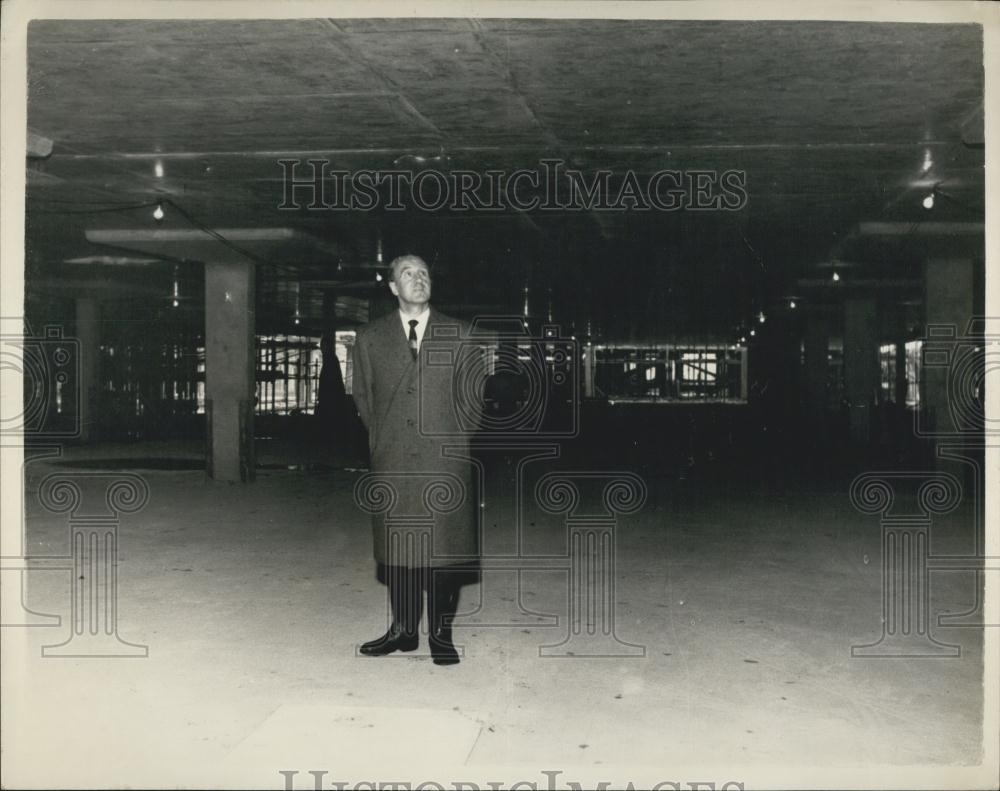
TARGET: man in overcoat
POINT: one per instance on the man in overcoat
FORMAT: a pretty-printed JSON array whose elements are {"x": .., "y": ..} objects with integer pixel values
[{"x": 418, "y": 434}]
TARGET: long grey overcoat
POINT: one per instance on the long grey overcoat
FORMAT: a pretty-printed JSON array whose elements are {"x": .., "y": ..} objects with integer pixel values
[{"x": 413, "y": 416}]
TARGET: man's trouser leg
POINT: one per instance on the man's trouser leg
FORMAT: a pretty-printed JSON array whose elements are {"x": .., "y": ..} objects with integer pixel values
[{"x": 442, "y": 604}]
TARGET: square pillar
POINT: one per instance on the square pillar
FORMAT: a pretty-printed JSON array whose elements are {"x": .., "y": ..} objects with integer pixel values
[
  {"x": 949, "y": 301},
  {"x": 88, "y": 334},
  {"x": 230, "y": 366},
  {"x": 816, "y": 367},
  {"x": 861, "y": 365},
  {"x": 901, "y": 385}
]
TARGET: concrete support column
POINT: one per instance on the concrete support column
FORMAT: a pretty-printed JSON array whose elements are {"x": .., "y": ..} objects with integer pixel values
[
  {"x": 783, "y": 331},
  {"x": 230, "y": 364},
  {"x": 88, "y": 334},
  {"x": 900, "y": 385},
  {"x": 861, "y": 365},
  {"x": 816, "y": 338},
  {"x": 950, "y": 305}
]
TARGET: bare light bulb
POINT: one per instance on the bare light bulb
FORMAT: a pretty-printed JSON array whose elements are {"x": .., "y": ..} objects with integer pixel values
[
  {"x": 158, "y": 212},
  {"x": 761, "y": 317},
  {"x": 176, "y": 303},
  {"x": 378, "y": 277},
  {"x": 836, "y": 277},
  {"x": 792, "y": 304},
  {"x": 753, "y": 333},
  {"x": 929, "y": 201}
]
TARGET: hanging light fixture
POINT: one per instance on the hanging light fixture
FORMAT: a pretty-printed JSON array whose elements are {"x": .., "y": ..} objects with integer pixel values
[{"x": 158, "y": 212}]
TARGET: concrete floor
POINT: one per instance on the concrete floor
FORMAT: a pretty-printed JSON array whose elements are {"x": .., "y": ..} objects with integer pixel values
[{"x": 252, "y": 599}]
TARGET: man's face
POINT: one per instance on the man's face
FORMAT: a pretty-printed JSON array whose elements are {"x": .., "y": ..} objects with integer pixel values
[{"x": 412, "y": 284}]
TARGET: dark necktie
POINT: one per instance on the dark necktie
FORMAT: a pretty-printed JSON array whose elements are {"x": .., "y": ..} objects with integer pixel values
[{"x": 413, "y": 337}]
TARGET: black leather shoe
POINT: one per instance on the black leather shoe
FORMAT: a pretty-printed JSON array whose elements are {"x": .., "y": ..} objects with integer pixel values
[
  {"x": 442, "y": 650},
  {"x": 406, "y": 601},
  {"x": 393, "y": 640}
]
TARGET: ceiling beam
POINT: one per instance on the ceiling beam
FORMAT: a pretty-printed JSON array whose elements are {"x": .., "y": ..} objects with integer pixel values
[
  {"x": 216, "y": 244},
  {"x": 920, "y": 228},
  {"x": 72, "y": 287},
  {"x": 867, "y": 283},
  {"x": 192, "y": 234},
  {"x": 112, "y": 260},
  {"x": 533, "y": 148}
]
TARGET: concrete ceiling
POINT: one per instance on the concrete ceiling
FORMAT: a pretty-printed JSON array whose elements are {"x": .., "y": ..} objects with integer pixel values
[{"x": 832, "y": 123}]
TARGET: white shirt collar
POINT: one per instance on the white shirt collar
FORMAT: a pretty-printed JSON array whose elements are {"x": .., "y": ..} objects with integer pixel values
[{"x": 421, "y": 323}]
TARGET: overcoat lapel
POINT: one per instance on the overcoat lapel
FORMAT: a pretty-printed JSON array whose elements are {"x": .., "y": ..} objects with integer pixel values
[
  {"x": 394, "y": 347},
  {"x": 396, "y": 344}
]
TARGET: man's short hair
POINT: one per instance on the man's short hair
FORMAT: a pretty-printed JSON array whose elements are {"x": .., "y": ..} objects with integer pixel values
[{"x": 398, "y": 262}]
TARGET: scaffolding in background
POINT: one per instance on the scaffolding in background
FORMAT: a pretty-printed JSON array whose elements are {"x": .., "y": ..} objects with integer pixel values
[
  {"x": 288, "y": 368},
  {"x": 666, "y": 373}
]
